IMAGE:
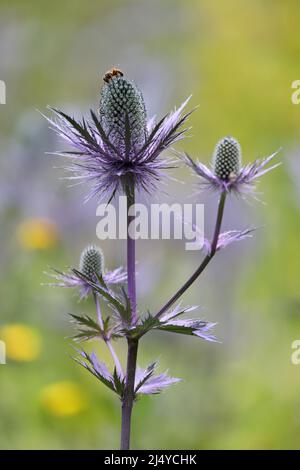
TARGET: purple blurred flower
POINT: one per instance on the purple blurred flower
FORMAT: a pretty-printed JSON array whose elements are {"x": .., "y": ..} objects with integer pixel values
[
  {"x": 119, "y": 145},
  {"x": 226, "y": 172}
]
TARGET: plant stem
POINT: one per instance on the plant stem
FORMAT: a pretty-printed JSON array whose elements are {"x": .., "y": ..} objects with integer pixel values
[
  {"x": 220, "y": 213},
  {"x": 128, "y": 397},
  {"x": 107, "y": 341},
  {"x": 131, "y": 256},
  {"x": 115, "y": 358},
  {"x": 206, "y": 260},
  {"x": 185, "y": 286},
  {"x": 99, "y": 314}
]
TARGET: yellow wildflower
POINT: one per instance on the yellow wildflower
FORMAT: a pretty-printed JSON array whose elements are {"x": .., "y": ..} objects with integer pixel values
[
  {"x": 63, "y": 399},
  {"x": 37, "y": 234},
  {"x": 22, "y": 342}
]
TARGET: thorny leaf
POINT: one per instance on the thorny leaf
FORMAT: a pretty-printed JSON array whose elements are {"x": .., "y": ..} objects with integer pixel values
[{"x": 123, "y": 311}]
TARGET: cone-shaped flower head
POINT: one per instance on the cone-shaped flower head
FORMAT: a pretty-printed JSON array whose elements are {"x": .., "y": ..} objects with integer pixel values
[
  {"x": 91, "y": 261},
  {"x": 226, "y": 172},
  {"x": 227, "y": 159},
  {"x": 91, "y": 265},
  {"x": 119, "y": 146},
  {"x": 122, "y": 111}
]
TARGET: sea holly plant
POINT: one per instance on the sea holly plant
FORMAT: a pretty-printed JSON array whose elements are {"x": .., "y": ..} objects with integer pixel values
[{"x": 118, "y": 150}]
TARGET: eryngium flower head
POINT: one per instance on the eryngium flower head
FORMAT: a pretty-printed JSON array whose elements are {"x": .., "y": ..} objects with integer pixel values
[
  {"x": 91, "y": 261},
  {"x": 226, "y": 172},
  {"x": 227, "y": 158},
  {"x": 91, "y": 265},
  {"x": 119, "y": 146},
  {"x": 122, "y": 109}
]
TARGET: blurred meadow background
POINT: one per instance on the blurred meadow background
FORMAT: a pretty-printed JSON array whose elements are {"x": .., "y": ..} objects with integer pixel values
[{"x": 238, "y": 60}]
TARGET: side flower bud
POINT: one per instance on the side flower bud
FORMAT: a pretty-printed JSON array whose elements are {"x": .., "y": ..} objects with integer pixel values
[
  {"x": 91, "y": 261},
  {"x": 227, "y": 158}
]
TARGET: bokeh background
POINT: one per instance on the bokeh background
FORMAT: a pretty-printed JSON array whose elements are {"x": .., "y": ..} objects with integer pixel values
[{"x": 238, "y": 60}]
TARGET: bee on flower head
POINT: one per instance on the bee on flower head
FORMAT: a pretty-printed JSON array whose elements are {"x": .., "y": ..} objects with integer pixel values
[
  {"x": 119, "y": 144},
  {"x": 114, "y": 72}
]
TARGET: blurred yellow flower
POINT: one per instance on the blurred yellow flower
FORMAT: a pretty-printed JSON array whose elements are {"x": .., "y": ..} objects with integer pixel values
[
  {"x": 37, "y": 234},
  {"x": 63, "y": 399},
  {"x": 23, "y": 343}
]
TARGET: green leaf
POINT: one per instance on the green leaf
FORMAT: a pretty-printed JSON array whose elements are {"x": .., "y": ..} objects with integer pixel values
[
  {"x": 177, "y": 329},
  {"x": 146, "y": 324},
  {"x": 90, "y": 329},
  {"x": 119, "y": 383},
  {"x": 184, "y": 326}
]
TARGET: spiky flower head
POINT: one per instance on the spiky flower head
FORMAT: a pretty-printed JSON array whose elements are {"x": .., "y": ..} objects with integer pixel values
[
  {"x": 226, "y": 172},
  {"x": 119, "y": 146},
  {"x": 91, "y": 261},
  {"x": 122, "y": 110},
  {"x": 227, "y": 158},
  {"x": 91, "y": 265}
]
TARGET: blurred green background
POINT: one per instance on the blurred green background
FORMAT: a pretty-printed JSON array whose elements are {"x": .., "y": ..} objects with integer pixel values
[{"x": 238, "y": 60}]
